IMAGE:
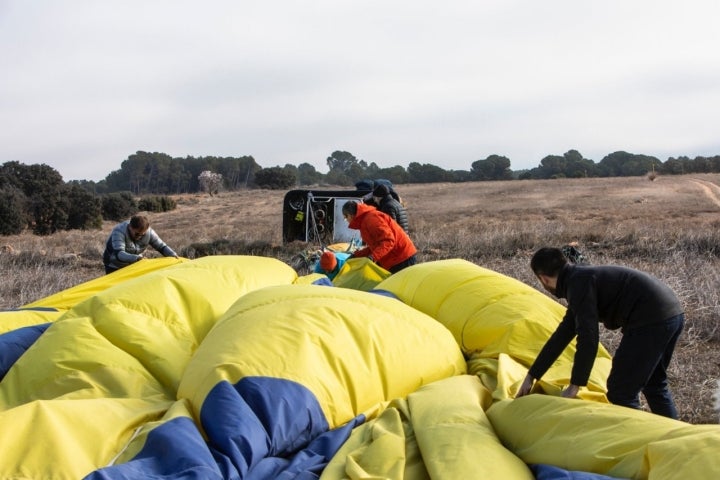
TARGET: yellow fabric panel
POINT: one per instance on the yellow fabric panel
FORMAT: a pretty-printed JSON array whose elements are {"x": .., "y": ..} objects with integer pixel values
[
  {"x": 68, "y": 439},
  {"x": 180, "y": 408},
  {"x": 70, "y": 297},
  {"x": 476, "y": 304},
  {"x": 360, "y": 274},
  {"x": 604, "y": 438},
  {"x": 503, "y": 376},
  {"x": 72, "y": 360},
  {"x": 695, "y": 454},
  {"x": 455, "y": 437},
  {"x": 66, "y": 299},
  {"x": 491, "y": 314},
  {"x": 353, "y": 350},
  {"x": 382, "y": 448},
  {"x": 14, "y": 319},
  {"x": 160, "y": 318},
  {"x": 309, "y": 279},
  {"x": 119, "y": 355},
  {"x": 340, "y": 247}
]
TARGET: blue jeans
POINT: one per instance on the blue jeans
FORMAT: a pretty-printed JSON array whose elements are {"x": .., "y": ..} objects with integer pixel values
[{"x": 640, "y": 365}]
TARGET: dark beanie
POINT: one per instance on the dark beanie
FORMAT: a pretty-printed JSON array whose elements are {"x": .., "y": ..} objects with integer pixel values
[{"x": 381, "y": 191}]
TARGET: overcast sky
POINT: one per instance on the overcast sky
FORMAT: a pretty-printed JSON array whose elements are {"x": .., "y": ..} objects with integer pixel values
[{"x": 87, "y": 83}]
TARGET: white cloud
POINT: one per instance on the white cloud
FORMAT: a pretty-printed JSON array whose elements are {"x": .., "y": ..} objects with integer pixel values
[{"x": 86, "y": 84}]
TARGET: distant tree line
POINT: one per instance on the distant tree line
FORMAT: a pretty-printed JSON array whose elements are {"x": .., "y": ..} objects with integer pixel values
[
  {"x": 35, "y": 197},
  {"x": 158, "y": 173}
]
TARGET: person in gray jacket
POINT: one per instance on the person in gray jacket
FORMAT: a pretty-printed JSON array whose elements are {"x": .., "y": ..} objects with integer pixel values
[
  {"x": 386, "y": 203},
  {"x": 129, "y": 240},
  {"x": 648, "y": 312}
]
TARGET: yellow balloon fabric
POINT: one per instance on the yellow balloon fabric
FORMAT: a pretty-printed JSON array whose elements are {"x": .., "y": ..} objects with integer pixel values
[
  {"x": 605, "y": 439},
  {"x": 233, "y": 367},
  {"x": 353, "y": 350},
  {"x": 360, "y": 274},
  {"x": 114, "y": 362},
  {"x": 490, "y": 315},
  {"x": 50, "y": 308}
]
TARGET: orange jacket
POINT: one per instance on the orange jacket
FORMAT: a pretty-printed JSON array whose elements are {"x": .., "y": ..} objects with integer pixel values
[{"x": 386, "y": 241}]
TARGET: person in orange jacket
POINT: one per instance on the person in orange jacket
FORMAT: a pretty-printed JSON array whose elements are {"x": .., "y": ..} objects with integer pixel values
[{"x": 387, "y": 243}]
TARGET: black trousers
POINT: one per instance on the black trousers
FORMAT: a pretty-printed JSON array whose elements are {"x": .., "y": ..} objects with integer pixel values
[{"x": 406, "y": 263}]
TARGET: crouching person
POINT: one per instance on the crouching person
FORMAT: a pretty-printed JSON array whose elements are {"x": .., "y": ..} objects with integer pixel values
[
  {"x": 129, "y": 240},
  {"x": 387, "y": 243}
]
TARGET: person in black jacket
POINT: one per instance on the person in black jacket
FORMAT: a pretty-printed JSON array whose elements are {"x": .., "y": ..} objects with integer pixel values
[
  {"x": 386, "y": 203},
  {"x": 648, "y": 312}
]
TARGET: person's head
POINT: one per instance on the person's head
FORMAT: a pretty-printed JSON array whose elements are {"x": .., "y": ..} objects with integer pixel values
[
  {"x": 138, "y": 227},
  {"x": 380, "y": 192},
  {"x": 349, "y": 210},
  {"x": 546, "y": 264},
  {"x": 328, "y": 262}
]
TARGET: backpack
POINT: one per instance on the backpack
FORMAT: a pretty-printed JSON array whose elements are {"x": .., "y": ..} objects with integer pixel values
[{"x": 574, "y": 255}]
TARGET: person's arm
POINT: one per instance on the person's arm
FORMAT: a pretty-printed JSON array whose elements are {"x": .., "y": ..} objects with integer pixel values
[
  {"x": 553, "y": 348},
  {"x": 526, "y": 386},
  {"x": 571, "y": 391},
  {"x": 157, "y": 243},
  {"x": 363, "y": 252},
  {"x": 582, "y": 297},
  {"x": 119, "y": 245}
]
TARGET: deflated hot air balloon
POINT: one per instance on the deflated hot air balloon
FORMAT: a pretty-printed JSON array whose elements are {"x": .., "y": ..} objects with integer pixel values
[{"x": 233, "y": 367}]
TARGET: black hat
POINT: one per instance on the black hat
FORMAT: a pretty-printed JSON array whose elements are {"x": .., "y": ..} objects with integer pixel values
[{"x": 381, "y": 191}]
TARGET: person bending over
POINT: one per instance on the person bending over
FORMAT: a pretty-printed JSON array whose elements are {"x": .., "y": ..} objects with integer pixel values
[
  {"x": 648, "y": 312},
  {"x": 386, "y": 242}
]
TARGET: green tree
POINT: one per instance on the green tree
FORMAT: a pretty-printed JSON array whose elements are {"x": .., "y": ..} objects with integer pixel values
[
  {"x": 275, "y": 178},
  {"x": 13, "y": 219},
  {"x": 44, "y": 189},
  {"x": 426, "y": 173},
  {"x": 338, "y": 177},
  {"x": 494, "y": 167},
  {"x": 118, "y": 206},
  {"x": 344, "y": 162},
  {"x": 84, "y": 209},
  {"x": 307, "y": 175},
  {"x": 624, "y": 164},
  {"x": 396, "y": 174}
]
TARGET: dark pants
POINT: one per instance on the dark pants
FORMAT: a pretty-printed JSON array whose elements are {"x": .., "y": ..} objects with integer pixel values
[
  {"x": 397, "y": 267},
  {"x": 640, "y": 365}
]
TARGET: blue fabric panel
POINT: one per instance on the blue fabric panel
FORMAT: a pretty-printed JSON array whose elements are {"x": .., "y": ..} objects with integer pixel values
[
  {"x": 384, "y": 293},
  {"x": 323, "y": 281},
  {"x": 30, "y": 309},
  {"x": 308, "y": 463},
  {"x": 174, "y": 450},
  {"x": 15, "y": 342},
  {"x": 261, "y": 417},
  {"x": 550, "y": 472}
]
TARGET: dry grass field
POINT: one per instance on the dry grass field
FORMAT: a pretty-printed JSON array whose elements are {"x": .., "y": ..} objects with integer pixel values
[{"x": 668, "y": 227}]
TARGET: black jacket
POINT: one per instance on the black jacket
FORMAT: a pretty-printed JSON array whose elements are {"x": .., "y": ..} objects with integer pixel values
[
  {"x": 619, "y": 297},
  {"x": 396, "y": 211}
]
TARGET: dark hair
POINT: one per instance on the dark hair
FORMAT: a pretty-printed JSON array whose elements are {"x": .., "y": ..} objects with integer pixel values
[
  {"x": 381, "y": 191},
  {"x": 350, "y": 208},
  {"x": 140, "y": 222},
  {"x": 548, "y": 261}
]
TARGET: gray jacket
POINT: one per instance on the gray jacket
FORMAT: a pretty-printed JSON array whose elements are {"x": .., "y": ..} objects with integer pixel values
[{"x": 122, "y": 250}]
